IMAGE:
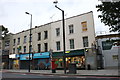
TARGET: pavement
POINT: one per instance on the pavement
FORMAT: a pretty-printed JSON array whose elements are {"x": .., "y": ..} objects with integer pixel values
[{"x": 103, "y": 72}]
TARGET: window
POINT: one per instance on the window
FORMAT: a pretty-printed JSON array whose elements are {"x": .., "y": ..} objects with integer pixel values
[
  {"x": 18, "y": 41},
  {"x": 57, "y": 31},
  {"x": 14, "y": 41},
  {"x": 30, "y": 38},
  {"x": 46, "y": 47},
  {"x": 39, "y": 47},
  {"x": 13, "y": 50},
  {"x": 71, "y": 29},
  {"x": 115, "y": 57},
  {"x": 71, "y": 43},
  {"x": 7, "y": 43},
  {"x": 24, "y": 49},
  {"x": 45, "y": 34},
  {"x": 58, "y": 45},
  {"x": 30, "y": 48},
  {"x": 84, "y": 26},
  {"x": 25, "y": 39},
  {"x": 18, "y": 49},
  {"x": 39, "y": 36},
  {"x": 85, "y": 41}
]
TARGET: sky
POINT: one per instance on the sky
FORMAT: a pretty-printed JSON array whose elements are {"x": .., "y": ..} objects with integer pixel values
[{"x": 13, "y": 17}]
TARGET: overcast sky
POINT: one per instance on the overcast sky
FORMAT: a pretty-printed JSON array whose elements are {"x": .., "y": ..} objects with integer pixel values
[{"x": 12, "y": 12}]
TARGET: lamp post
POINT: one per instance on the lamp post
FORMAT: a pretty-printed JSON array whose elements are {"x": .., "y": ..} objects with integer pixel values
[
  {"x": 29, "y": 39},
  {"x": 63, "y": 22}
]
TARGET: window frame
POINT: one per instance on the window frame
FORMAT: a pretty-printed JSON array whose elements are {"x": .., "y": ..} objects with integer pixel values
[
  {"x": 46, "y": 47},
  {"x": 39, "y": 36},
  {"x": 58, "y": 47},
  {"x": 71, "y": 29},
  {"x": 24, "y": 49},
  {"x": 39, "y": 47},
  {"x": 85, "y": 41},
  {"x": 72, "y": 43},
  {"x": 57, "y": 31},
  {"x": 25, "y": 39},
  {"x": 18, "y": 41},
  {"x": 45, "y": 34}
]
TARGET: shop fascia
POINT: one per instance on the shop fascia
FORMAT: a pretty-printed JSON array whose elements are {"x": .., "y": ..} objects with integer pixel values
[{"x": 34, "y": 56}]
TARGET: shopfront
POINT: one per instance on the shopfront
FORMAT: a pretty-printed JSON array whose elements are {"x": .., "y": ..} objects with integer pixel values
[
  {"x": 24, "y": 61},
  {"x": 41, "y": 61},
  {"x": 13, "y": 61},
  {"x": 75, "y": 56}
]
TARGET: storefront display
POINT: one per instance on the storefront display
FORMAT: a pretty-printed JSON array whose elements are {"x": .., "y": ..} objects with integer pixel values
[
  {"x": 44, "y": 64},
  {"x": 75, "y": 56},
  {"x": 79, "y": 60},
  {"x": 41, "y": 60},
  {"x": 16, "y": 64}
]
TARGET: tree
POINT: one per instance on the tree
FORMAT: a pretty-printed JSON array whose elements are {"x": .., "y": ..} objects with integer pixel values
[
  {"x": 110, "y": 15},
  {"x": 4, "y": 31}
]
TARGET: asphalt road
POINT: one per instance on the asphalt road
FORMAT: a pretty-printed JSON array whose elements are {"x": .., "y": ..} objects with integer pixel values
[{"x": 24, "y": 76}]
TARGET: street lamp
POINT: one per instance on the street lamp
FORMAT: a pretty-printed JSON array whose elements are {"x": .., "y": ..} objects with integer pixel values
[
  {"x": 29, "y": 39},
  {"x": 63, "y": 22}
]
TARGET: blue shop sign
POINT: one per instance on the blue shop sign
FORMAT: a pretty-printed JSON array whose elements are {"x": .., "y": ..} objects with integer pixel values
[
  {"x": 17, "y": 55},
  {"x": 25, "y": 57},
  {"x": 41, "y": 55}
]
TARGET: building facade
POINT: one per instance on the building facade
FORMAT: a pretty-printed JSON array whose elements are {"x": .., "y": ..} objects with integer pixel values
[
  {"x": 109, "y": 45},
  {"x": 5, "y": 46},
  {"x": 80, "y": 35},
  {"x": 0, "y": 46}
]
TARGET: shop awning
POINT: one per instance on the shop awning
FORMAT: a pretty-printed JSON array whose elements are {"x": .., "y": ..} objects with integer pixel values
[{"x": 69, "y": 53}]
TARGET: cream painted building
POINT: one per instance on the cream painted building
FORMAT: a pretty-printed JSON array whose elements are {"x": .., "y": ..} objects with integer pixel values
[
  {"x": 76, "y": 28},
  {"x": 21, "y": 40},
  {"x": 79, "y": 32}
]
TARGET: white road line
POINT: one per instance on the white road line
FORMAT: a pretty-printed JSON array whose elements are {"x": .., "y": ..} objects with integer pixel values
[
  {"x": 23, "y": 74},
  {"x": 81, "y": 77},
  {"x": 63, "y": 76}
]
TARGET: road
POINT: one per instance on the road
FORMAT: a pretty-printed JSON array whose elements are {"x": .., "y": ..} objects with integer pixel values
[{"x": 27, "y": 76}]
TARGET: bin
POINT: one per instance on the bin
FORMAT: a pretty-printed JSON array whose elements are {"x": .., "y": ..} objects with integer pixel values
[
  {"x": 89, "y": 67},
  {"x": 72, "y": 68}
]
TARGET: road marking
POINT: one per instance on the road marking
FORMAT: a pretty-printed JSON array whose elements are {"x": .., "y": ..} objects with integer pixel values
[
  {"x": 23, "y": 74},
  {"x": 63, "y": 76},
  {"x": 81, "y": 77}
]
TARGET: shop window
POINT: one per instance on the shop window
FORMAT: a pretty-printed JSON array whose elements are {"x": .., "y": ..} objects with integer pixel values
[{"x": 85, "y": 41}]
